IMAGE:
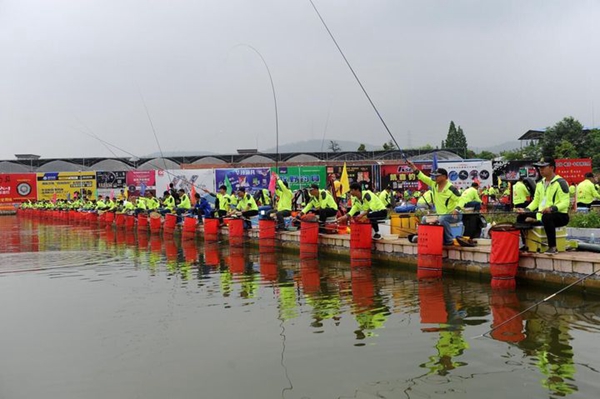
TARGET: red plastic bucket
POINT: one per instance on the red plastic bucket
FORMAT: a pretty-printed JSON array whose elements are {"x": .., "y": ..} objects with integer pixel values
[
  {"x": 360, "y": 236},
  {"x": 505, "y": 306},
  {"x": 155, "y": 224},
  {"x": 120, "y": 219},
  {"x": 189, "y": 225},
  {"x": 236, "y": 228},
  {"x": 92, "y": 217},
  {"x": 504, "y": 257},
  {"x": 170, "y": 221},
  {"x": 309, "y": 233},
  {"x": 129, "y": 221},
  {"x": 211, "y": 226},
  {"x": 142, "y": 222},
  {"x": 429, "y": 266},
  {"x": 109, "y": 217},
  {"x": 266, "y": 229},
  {"x": 430, "y": 239}
]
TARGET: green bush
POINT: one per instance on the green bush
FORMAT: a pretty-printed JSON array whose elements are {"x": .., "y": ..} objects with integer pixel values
[{"x": 586, "y": 220}]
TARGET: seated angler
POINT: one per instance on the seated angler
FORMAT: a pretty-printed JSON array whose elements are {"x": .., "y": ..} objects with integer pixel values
[
  {"x": 152, "y": 203},
  {"x": 201, "y": 208},
  {"x": 365, "y": 204},
  {"x": 222, "y": 201},
  {"x": 446, "y": 199},
  {"x": 425, "y": 201},
  {"x": 100, "y": 204},
  {"x": 550, "y": 203},
  {"x": 321, "y": 202},
  {"x": 387, "y": 198},
  {"x": 586, "y": 192},
  {"x": 520, "y": 196},
  {"x": 184, "y": 203},
  {"x": 471, "y": 197},
  {"x": 140, "y": 205},
  {"x": 246, "y": 207},
  {"x": 168, "y": 204}
]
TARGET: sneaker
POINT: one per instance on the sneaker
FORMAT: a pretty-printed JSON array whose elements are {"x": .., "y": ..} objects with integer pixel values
[
  {"x": 551, "y": 251},
  {"x": 377, "y": 236}
]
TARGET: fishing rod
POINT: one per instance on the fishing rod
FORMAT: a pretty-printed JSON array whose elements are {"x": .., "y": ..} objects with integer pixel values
[
  {"x": 357, "y": 79},
  {"x": 153, "y": 129},
  {"x": 537, "y": 304}
]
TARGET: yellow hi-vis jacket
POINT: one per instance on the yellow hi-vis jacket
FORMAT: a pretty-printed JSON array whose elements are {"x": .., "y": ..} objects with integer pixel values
[
  {"x": 586, "y": 192},
  {"x": 369, "y": 202},
  {"x": 322, "y": 201},
  {"x": 445, "y": 201},
  {"x": 554, "y": 195}
]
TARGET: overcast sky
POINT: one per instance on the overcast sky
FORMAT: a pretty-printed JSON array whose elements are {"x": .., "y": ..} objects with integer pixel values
[{"x": 71, "y": 68}]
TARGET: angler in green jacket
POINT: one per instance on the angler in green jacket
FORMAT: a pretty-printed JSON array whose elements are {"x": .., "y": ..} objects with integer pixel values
[
  {"x": 246, "y": 206},
  {"x": 321, "y": 202},
  {"x": 152, "y": 203},
  {"x": 168, "y": 203},
  {"x": 365, "y": 204},
  {"x": 520, "y": 195},
  {"x": 222, "y": 202},
  {"x": 471, "y": 197},
  {"x": 184, "y": 202},
  {"x": 446, "y": 199},
  {"x": 386, "y": 197},
  {"x": 426, "y": 200},
  {"x": 551, "y": 201},
  {"x": 587, "y": 195},
  {"x": 283, "y": 197}
]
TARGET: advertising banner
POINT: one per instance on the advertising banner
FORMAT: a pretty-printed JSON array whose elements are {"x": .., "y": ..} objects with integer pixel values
[
  {"x": 511, "y": 170},
  {"x": 299, "y": 177},
  {"x": 463, "y": 173},
  {"x": 110, "y": 182},
  {"x": 141, "y": 180},
  {"x": 573, "y": 170},
  {"x": 65, "y": 185},
  {"x": 401, "y": 177},
  {"x": 356, "y": 173},
  {"x": 18, "y": 187},
  {"x": 184, "y": 178},
  {"x": 251, "y": 179}
]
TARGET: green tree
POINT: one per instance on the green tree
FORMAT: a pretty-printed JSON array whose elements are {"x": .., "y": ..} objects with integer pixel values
[
  {"x": 456, "y": 139},
  {"x": 389, "y": 146},
  {"x": 334, "y": 146},
  {"x": 486, "y": 155},
  {"x": 361, "y": 148},
  {"x": 569, "y": 129},
  {"x": 426, "y": 147},
  {"x": 565, "y": 150},
  {"x": 532, "y": 151}
]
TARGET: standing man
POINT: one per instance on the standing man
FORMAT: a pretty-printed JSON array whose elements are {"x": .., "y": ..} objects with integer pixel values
[
  {"x": 322, "y": 202},
  {"x": 551, "y": 201},
  {"x": 586, "y": 192},
  {"x": 446, "y": 199},
  {"x": 366, "y": 204},
  {"x": 284, "y": 203}
]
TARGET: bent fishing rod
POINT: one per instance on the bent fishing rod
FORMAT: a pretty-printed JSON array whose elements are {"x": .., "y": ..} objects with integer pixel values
[
  {"x": 358, "y": 80},
  {"x": 537, "y": 304}
]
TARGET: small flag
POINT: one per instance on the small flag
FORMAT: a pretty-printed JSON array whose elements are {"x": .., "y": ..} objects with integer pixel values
[
  {"x": 434, "y": 166},
  {"x": 272, "y": 183},
  {"x": 68, "y": 196},
  {"x": 344, "y": 181},
  {"x": 54, "y": 198},
  {"x": 499, "y": 181},
  {"x": 142, "y": 189},
  {"x": 228, "y": 185},
  {"x": 126, "y": 192},
  {"x": 112, "y": 193},
  {"x": 193, "y": 195}
]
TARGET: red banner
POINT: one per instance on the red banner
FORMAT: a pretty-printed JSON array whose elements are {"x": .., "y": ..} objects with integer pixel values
[
  {"x": 401, "y": 177},
  {"x": 573, "y": 170},
  {"x": 18, "y": 187},
  {"x": 141, "y": 180}
]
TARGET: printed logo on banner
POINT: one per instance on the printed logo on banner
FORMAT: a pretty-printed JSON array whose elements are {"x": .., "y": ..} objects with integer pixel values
[{"x": 24, "y": 189}]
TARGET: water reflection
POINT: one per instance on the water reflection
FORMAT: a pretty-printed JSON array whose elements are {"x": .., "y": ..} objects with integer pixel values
[{"x": 382, "y": 321}]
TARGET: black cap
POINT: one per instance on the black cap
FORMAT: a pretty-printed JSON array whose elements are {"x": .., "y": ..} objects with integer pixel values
[
  {"x": 314, "y": 186},
  {"x": 439, "y": 172},
  {"x": 545, "y": 161}
]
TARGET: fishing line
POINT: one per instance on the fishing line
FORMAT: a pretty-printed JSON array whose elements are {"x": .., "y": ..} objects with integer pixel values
[
  {"x": 537, "y": 304},
  {"x": 153, "y": 129},
  {"x": 358, "y": 80}
]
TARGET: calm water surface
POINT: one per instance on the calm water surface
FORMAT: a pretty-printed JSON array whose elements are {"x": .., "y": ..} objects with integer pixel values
[{"x": 95, "y": 313}]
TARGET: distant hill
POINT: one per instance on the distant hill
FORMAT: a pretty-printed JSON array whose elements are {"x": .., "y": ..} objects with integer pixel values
[
  {"x": 319, "y": 145},
  {"x": 179, "y": 154},
  {"x": 498, "y": 148}
]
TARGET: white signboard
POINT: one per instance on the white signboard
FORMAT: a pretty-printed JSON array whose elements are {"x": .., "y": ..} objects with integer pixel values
[
  {"x": 184, "y": 178},
  {"x": 463, "y": 173}
]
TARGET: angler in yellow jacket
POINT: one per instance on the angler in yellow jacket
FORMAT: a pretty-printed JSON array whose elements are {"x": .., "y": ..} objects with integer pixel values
[
  {"x": 586, "y": 192},
  {"x": 365, "y": 204},
  {"x": 551, "y": 201},
  {"x": 321, "y": 202},
  {"x": 446, "y": 199}
]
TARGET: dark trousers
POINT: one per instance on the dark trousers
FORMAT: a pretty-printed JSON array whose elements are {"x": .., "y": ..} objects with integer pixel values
[
  {"x": 247, "y": 215},
  {"x": 280, "y": 218},
  {"x": 522, "y": 205},
  {"x": 375, "y": 217},
  {"x": 476, "y": 205},
  {"x": 325, "y": 213},
  {"x": 221, "y": 214},
  {"x": 582, "y": 205},
  {"x": 550, "y": 221}
]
